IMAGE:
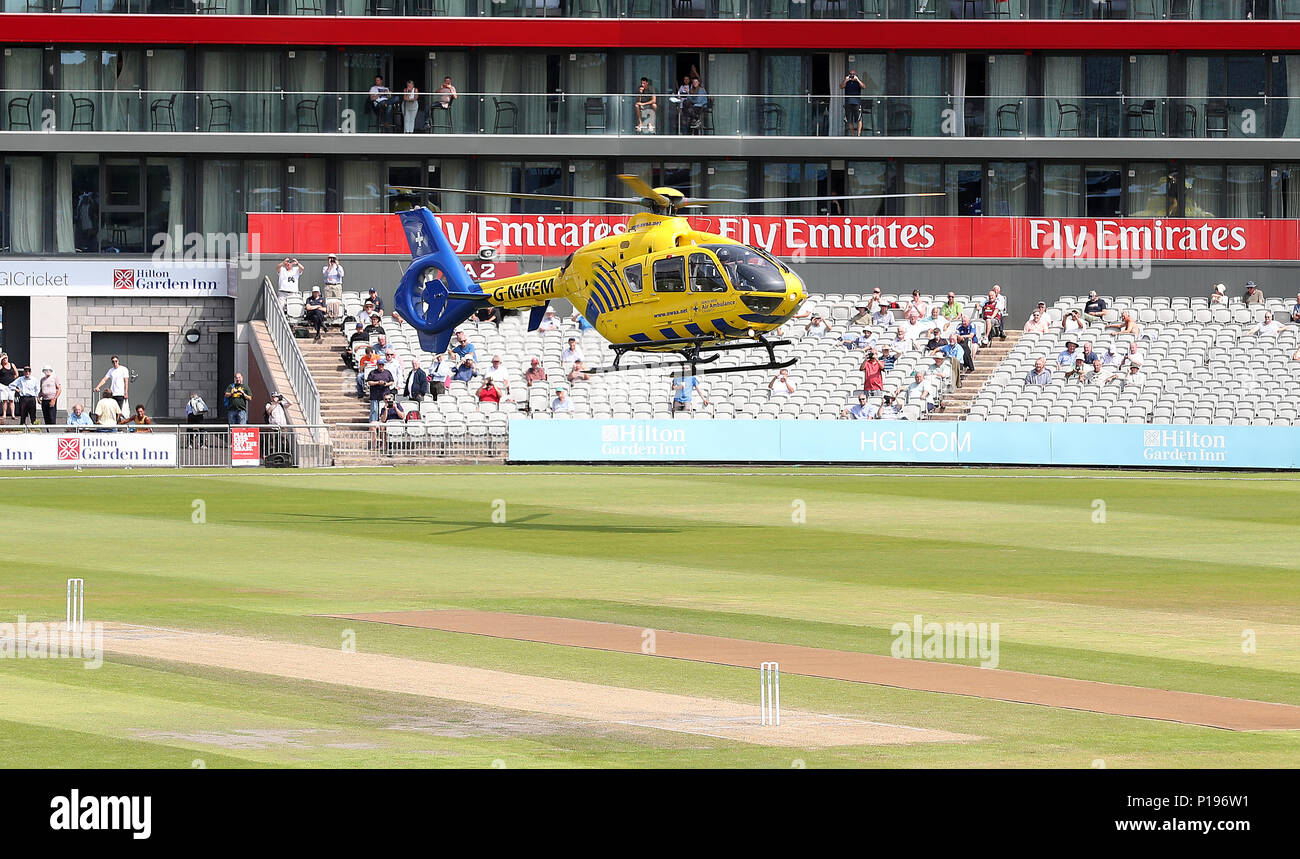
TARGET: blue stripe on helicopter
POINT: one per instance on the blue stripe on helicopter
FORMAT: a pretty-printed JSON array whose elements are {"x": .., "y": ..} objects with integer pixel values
[
  {"x": 695, "y": 329},
  {"x": 594, "y": 297},
  {"x": 593, "y": 312},
  {"x": 610, "y": 281},
  {"x": 639, "y": 338},
  {"x": 724, "y": 328},
  {"x": 607, "y": 289},
  {"x": 670, "y": 333},
  {"x": 606, "y": 298}
]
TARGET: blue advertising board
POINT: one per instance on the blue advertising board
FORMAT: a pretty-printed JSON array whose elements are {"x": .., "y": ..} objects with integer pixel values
[{"x": 953, "y": 443}]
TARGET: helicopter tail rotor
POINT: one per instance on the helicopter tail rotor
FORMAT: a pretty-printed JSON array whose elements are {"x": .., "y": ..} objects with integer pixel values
[{"x": 442, "y": 312}]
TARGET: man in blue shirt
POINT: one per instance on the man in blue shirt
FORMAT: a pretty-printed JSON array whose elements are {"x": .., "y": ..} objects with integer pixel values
[
  {"x": 1065, "y": 360},
  {"x": 951, "y": 349},
  {"x": 464, "y": 348},
  {"x": 78, "y": 417},
  {"x": 684, "y": 392}
]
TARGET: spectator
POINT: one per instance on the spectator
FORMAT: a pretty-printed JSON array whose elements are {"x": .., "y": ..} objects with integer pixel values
[
  {"x": 684, "y": 388},
  {"x": 951, "y": 308},
  {"x": 936, "y": 341},
  {"x": 873, "y": 372},
  {"x": 488, "y": 392},
  {"x": 465, "y": 371},
  {"x": 1001, "y": 299},
  {"x": 780, "y": 386},
  {"x": 1072, "y": 323},
  {"x": 498, "y": 375},
  {"x": 359, "y": 336},
  {"x": 446, "y": 95},
  {"x": 969, "y": 340},
  {"x": 852, "y": 86},
  {"x": 417, "y": 383},
  {"x": 395, "y": 365},
  {"x": 382, "y": 347},
  {"x": 993, "y": 317},
  {"x": 816, "y": 327},
  {"x": 463, "y": 348},
  {"x": 561, "y": 403},
  {"x": 138, "y": 421},
  {"x": 119, "y": 381},
  {"x": 108, "y": 413},
  {"x": 332, "y": 273},
  {"x": 1088, "y": 355},
  {"x": 276, "y": 413},
  {"x": 1270, "y": 327},
  {"x": 1065, "y": 360},
  {"x": 535, "y": 372},
  {"x": 487, "y": 314},
  {"x": 1133, "y": 378},
  {"x": 8, "y": 373},
  {"x": 381, "y": 98},
  {"x": 950, "y": 348},
  {"x": 1253, "y": 295},
  {"x": 314, "y": 311},
  {"x": 581, "y": 321},
  {"x": 1295, "y": 309},
  {"x": 410, "y": 99},
  {"x": 1134, "y": 355},
  {"x": 288, "y": 273},
  {"x": 237, "y": 397},
  {"x": 887, "y": 357},
  {"x": 1094, "y": 307},
  {"x": 884, "y": 317},
  {"x": 939, "y": 374},
  {"x": 851, "y": 341},
  {"x": 1125, "y": 325},
  {"x": 865, "y": 410},
  {"x": 918, "y": 393},
  {"x": 550, "y": 321},
  {"x": 915, "y": 328},
  {"x": 379, "y": 383},
  {"x": 439, "y": 376},
  {"x": 1077, "y": 370},
  {"x": 365, "y": 364},
  {"x": 1095, "y": 374},
  {"x": 888, "y": 409},
  {"x": 647, "y": 107},
  {"x": 78, "y": 417},
  {"x": 1040, "y": 375},
  {"x": 391, "y": 410},
  {"x": 26, "y": 389},
  {"x": 51, "y": 389},
  {"x": 572, "y": 352},
  {"x": 374, "y": 327},
  {"x": 699, "y": 103},
  {"x": 1038, "y": 323},
  {"x": 918, "y": 304},
  {"x": 861, "y": 314},
  {"x": 578, "y": 373},
  {"x": 375, "y": 302},
  {"x": 901, "y": 342},
  {"x": 195, "y": 410},
  {"x": 1219, "y": 295},
  {"x": 937, "y": 319}
]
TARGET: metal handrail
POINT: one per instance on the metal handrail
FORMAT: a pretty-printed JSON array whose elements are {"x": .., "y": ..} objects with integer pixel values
[{"x": 295, "y": 365}]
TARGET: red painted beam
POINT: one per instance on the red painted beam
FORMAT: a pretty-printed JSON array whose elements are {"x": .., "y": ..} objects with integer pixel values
[{"x": 802, "y": 35}]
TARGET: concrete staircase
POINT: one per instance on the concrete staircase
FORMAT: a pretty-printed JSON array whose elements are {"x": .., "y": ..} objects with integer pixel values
[
  {"x": 325, "y": 362},
  {"x": 958, "y": 402}
]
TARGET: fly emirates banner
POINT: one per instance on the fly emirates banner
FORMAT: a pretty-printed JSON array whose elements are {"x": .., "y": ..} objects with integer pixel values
[{"x": 811, "y": 236}]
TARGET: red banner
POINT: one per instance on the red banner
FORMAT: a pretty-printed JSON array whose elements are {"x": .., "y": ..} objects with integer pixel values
[
  {"x": 1064, "y": 240},
  {"x": 245, "y": 448}
]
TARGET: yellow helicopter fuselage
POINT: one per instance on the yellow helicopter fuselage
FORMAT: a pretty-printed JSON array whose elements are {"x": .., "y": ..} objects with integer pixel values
[{"x": 663, "y": 282}]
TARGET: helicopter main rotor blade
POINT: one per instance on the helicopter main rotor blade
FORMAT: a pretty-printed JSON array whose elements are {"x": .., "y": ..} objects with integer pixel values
[
  {"x": 812, "y": 199},
  {"x": 637, "y": 184},
  {"x": 562, "y": 198}
]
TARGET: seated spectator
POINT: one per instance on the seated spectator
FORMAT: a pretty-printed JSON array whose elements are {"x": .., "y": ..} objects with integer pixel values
[
  {"x": 918, "y": 393},
  {"x": 572, "y": 352},
  {"x": 993, "y": 317},
  {"x": 498, "y": 375},
  {"x": 1295, "y": 309},
  {"x": 1072, "y": 323},
  {"x": 372, "y": 298},
  {"x": 417, "y": 382},
  {"x": 873, "y": 372},
  {"x": 884, "y": 317},
  {"x": 314, "y": 311},
  {"x": 550, "y": 321},
  {"x": 861, "y": 313},
  {"x": 901, "y": 343},
  {"x": 865, "y": 410},
  {"x": 939, "y": 374},
  {"x": 684, "y": 388},
  {"x": 949, "y": 348},
  {"x": 78, "y": 417},
  {"x": 938, "y": 320},
  {"x": 488, "y": 392},
  {"x": 464, "y": 348},
  {"x": 1126, "y": 324},
  {"x": 1219, "y": 295},
  {"x": 851, "y": 341},
  {"x": 375, "y": 326},
  {"x": 1065, "y": 360},
  {"x": 561, "y": 403},
  {"x": 951, "y": 309},
  {"x": 1270, "y": 327},
  {"x": 1135, "y": 355},
  {"x": 465, "y": 371},
  {"x": 391, "y": 410},
  {"x": 138, "y": 421},
  {"x": 1088, "y": 355},
  {"x": 578, "y": 373},
  {"x": 887, "y": 357},
  {"x": 382, "y": 346},
  {"x": 489, "y": 314},
  {"x": 1094, "y": 307},
  {"x": 781, "y": 385},
  {"x": 535, "y": 372},
  {"x": 1040, "y": 375},
  {"x": 359, "y": 335},
  {"x": 1001, "y": 299},
  {"x": 108, "y": 414},
  {"x": 918, "y": 304},
  {"x": 365, "y": 363},
  {"x": 817, "y": 327},
  {"x": 1038, "y": 323},
  {"x": 1133, "y": 378},
  {"x": 936, "y": 341},
  {"x": 916, "y": 328},
  {"x": 1095, "y": 374},
  {"x": 888, "y": 409},
  {"x": 1076, "y": 373},
  {"x": 1253, "y": 295}
]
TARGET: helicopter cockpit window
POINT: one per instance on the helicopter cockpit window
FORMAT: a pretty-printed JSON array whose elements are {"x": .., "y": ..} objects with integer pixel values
[
  {"x": 750, "y": 270},
  {"x": 632, "y": 274},
  {"x": 705, "y": 276},
  {"x": 670, "y": 274}
]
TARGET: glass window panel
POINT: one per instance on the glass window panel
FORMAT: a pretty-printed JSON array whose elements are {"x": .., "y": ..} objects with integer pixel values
[
  {"x": 926, "y": 82},
  {"x": 1103, "y": 190},
  {"x": 729, "y": 180},
  {"x": 963, "y": 189},
  {"x": 866, "y": 177},
  {"x": 1148, "y": 189},
  {"x": 1285, "y": 188},
  {"x": 1008, "y": 189},
  {"x": 1006, "y": 107},
  {"x": 1063, "y": 101},
  {"x": 1203, "y": 191},
  {"x": 76, "y": 204},
  {"x": 923, "y": 179},
  {"x": 795, "y": 179},
  {"x": 781, "y": 110},
  {"x": 165, "y": 198},
  {"x": 1245, "y": 187},
  {"x": 24, "y": 208},
  {"x": 122, "y": 183},
  {"x": 1062, "y": 190},
  {"x": 122, "y": 77},
  {"x": 222, "y": 187},
  {"x": 728, "y": 79},
  {"x": 362, "y": 186},
  {"x": 589, "y": 181}
]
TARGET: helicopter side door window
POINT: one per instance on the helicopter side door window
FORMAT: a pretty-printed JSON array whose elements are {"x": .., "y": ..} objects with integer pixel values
[
  {"x": 670, "y": 274},
  {"x": 705, "y": 276},
  {"x": 632, "y": 274}
]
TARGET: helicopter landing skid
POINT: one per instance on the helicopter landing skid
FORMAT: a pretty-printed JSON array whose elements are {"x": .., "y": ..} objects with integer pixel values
[{"x": 697, "y": 351}]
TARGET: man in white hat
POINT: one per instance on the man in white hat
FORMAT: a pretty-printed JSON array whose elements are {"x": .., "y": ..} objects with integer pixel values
[
  {"x": 51, "y": 389},
  {"x": 1219, "y": 295},
  {"x": 550, "y": 322}
]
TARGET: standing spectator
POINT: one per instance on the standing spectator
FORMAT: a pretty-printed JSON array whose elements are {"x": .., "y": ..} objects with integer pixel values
[
  {"x": 1253, "y": 295},
  {"x": 647, "y": 106},
  {"x": 780, "y": 386},
  {"x": 1094, "y": 307},
  {"x": 572, "y": 352},
  {"x": 108, "y": 413},
  {"x": 410, "y": 99},
  {"x": 26, "y": 389},
  {"x": 1040, "y": 375},
  {"x": 119, "y": 381},
  {"x": 332, "y": 273},
  {"x": 969, "y": 341},
  {"x": 865, "y": 410},
  {"x": 288, "y": 272},
  {"x": 535, "y": 372},
  {"x": 852, "y": 86},
  {"x": 379, "y": 383},
  {"x": 873, "y": 373},
  {"x": 195, "y": 409},
  {"x": 8, "y": 373},
  {"x": 417, "y": 383},
  {"x": 439, "y": 376},
  {"x": 684, "y": 388},
  {"x": 561, "y": 403},
  {"x": 276, "y": 415},
  {"x": 314, "y": 311},
  {"x": 237, "y": 397},
  {"x": 51, "y": 390},
  {"x": 78, "y": 417}
]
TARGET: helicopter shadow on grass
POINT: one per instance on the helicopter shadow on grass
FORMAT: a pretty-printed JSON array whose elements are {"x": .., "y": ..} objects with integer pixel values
[{"x": 448, "y": 527}]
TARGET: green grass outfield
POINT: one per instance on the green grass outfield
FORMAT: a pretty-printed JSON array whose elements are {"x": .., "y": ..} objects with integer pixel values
[{"x": 1158, "y": 595}]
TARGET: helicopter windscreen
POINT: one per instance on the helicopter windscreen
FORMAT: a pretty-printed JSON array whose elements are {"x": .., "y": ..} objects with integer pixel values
[{"x": 750, "y": 270}]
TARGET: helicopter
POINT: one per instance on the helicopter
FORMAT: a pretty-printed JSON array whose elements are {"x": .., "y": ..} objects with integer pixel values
[{"x": 660, "y": 288}]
